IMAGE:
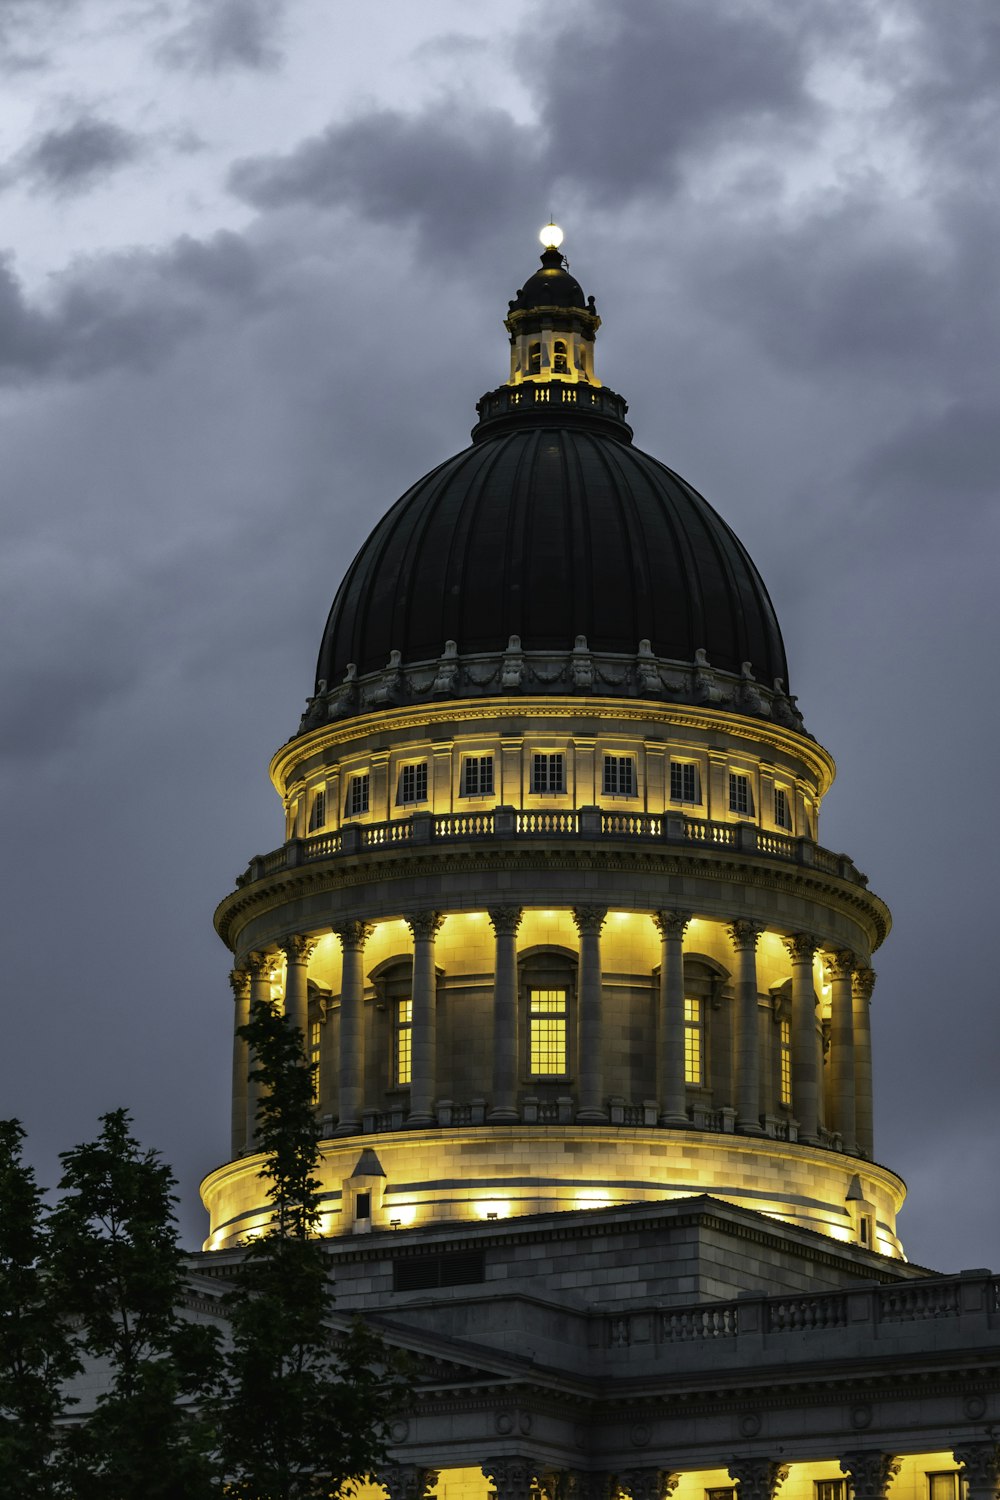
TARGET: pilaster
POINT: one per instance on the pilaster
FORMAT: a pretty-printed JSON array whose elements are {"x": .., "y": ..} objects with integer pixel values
[
  {"x": 423, "y": 1075},
  {"x": 745, "y": 936},
  {"x": 506, "y": 921},
  {"x": 589, "y": 921},
  {"x": 670, "y": 1078}
]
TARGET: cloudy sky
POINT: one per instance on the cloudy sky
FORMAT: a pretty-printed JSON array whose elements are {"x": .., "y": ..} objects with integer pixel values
[{"x": 254, "y": 258}]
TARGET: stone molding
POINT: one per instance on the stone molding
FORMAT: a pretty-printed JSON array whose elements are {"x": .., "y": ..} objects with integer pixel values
[
  {"x": 505, "y": 920},
  {"x": 298, "y": 948},
  {"x": 801, "y": 947},
  {"x": 870, "y": 1472},
  {"x": 864, "y": 983},
  {"x": 407, "y": 1481},
  {"x": 842, "y": 963},
  {"x": 513, "y": 1477},
  {"x": 589, "y": 919},
  {"x": 647, "y": 1483},
  {"x": 671, "y": 924},
  {"x": 425, "y": 925},
  {"x": 239, "y": 982},
  {"x": 259, "y": 965},
  {"x": 981, "y": 1467},
  {"x": 745, "y": 935}
]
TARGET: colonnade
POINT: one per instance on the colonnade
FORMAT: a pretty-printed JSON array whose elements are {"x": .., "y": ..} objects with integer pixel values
[
  {"x": 516, "y": 1476},
  {"x": 849, "y": 1095}
]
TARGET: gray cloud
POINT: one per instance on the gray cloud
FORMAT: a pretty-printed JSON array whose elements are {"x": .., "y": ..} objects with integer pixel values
[
  {"x": 226, "y": 35},
  {"x": 73, "y": 158},
  {"x": 122, "y": 311}
]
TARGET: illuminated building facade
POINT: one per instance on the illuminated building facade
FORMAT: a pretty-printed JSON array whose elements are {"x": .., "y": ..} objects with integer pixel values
[{"x": 589, "y": 999}]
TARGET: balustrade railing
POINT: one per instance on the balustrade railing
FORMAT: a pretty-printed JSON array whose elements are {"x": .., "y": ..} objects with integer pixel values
[{"x": 589, "y": 823}]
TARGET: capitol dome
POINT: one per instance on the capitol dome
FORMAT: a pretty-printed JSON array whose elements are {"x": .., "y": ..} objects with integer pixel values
[{"x": 552, "y": 552}]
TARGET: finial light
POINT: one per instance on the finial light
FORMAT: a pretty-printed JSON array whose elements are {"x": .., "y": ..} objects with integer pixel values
[{"x": 551, "y": 236}]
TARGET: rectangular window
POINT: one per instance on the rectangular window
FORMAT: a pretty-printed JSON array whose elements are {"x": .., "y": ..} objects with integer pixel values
[
  {"x": 357, "y": 795},
  {"x": 547, "y": 1016},
  {"x": 694, "y": 1043},
  {"x": 619, "y": 776},
  {"x": 363, "y": 1206},
  {"x": 477, "y": 776},
  {"x": 548, "y": 773},
  {"x": 413, "y": 783},
  {"x": 402, "y": 1048},
  {"x": 945, "y": 1486},
  {"x": 684, "y": 781},
  {"x": 720, "y": 1494},
  {"x": 740, "y": 798},
  {"x": 782, "y": 810},
  {"x": 785, "y": 1060},
  {"x": 317, "y": 812},
  {"x": 831, "y": 1489},
  {"x": 314, "y": 1058}
]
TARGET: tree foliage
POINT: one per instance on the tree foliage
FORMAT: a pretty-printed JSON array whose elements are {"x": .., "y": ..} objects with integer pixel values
[
  {"x": 36, "y": 1349},
  {"x": 307, "y": 1407},
  {"x": 118, "y": 1271}
]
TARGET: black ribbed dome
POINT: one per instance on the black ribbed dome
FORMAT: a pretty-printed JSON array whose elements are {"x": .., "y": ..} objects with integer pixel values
[{"x": 552, "y": 528}]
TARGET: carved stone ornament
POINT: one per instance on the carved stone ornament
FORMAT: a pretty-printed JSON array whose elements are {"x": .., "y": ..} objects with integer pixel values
[
  {"x": 505, "y": 920},
  {"x": 589, "y": 919},
  {"x": 239, "y": 980},
  {"x": 407, "y": 1481},
  {"x": 864, "y": 983},
  {"x": 298, "y": 948},
  {"x": 871, "y": 1472},
  {"x": 744, "y": 935},
  {"x": 353, "y": 934},
  {"x": 758, "y": 1478},
  {"x": 981, "y": 1469},
  {"x": 512, "y": 1478},
  {"x": 801, "y": 947},
  {"x": 424, "y": 925},
  {"x": 842, "y": 963},
  {"x": 671, "y": 924},
  {"x": 260, "y": 965},
  {"x": 647, "y": 1484}
]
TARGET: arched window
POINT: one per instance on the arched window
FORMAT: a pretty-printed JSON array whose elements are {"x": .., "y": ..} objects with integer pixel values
[
  {"x": 548, "y": 1008},
  {"x": 534, "y": 359},
  {"x": 560, "y": 364}
]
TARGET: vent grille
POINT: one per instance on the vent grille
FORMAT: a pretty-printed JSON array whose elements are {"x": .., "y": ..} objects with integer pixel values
[{"x": 459, "y": 1268}]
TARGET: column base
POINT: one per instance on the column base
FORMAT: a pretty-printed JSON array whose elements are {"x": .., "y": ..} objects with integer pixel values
[
  {"x": 503, "y": 1115},
  {"x": 420, "y": 1121},
  {"x": 348, "y": 1127},
  {"x": 676, "y": 1121},
  {"x": 591, "y": 1117},
  {"x": 749, "y": 1127}
]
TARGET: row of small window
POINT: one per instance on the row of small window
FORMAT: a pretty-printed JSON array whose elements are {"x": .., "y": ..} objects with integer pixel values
[{"x": 548, "y": 776}]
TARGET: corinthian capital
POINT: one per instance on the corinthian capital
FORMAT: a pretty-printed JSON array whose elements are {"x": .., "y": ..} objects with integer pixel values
[
  {"x": 758, "y": 1478},
  {"x": 353, "y": 934},
  {"x": 648, "y": 1484},
  {"x": 864, "y": 983},
  {"x": 505, "y": 920},
  {"x": 260, "y": 965},
  {"x": 981, "y": 1465},
  {"x": 671, "y": 924},
  {"x": 239, "y": 980},
  {"x": 425, "y": 924},
  {"x": 298, "y": 948},
  {"x": 512, "y": 1478},
  {"x": 407, "y": 1481},
  {"x": 589, "y": 919},
  {"x": 842, "y": 963},
  {"x": 745, "y": 935},
  {"x": 871, "y": 1472},
  {"x": 801, "y": 947}
]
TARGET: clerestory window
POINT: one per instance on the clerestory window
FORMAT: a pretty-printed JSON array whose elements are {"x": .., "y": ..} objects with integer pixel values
[{"x": 548, "y": 772}]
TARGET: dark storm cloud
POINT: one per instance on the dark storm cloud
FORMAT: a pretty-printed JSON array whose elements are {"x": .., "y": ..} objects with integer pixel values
[
  {"x": 450, "y": 171},
  {"x": 121, "y": 311},
  {"x": 73, "y": 158},
  {"x": 953, "y": 453},
  {"x": 227, "y": 34}
]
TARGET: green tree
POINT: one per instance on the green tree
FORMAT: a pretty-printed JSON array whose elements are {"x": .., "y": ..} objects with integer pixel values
[
  {"x": 306, "y": 1409},
  {"x": 119, "y": 1272},
  {"x": 36, "y": 1349}
]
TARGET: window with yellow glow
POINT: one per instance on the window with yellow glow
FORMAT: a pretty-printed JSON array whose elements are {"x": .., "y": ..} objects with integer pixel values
[
  {"x": 547, "y": 1016},
  {"x": 740, "y": 795},
  {"x": 314, "y": 1058},
  {"x": 619, "y": 776},
  {"x": 357, "y": 795},
  {"x": 830, "y": 1489},
  {"x": 694, "y": 1043},
  {"x": 785, "y": 1061},
  {"x": 946, "y": 1486},
  {"x": 782, "y": 809},
  {"x": 403, "y": 1042},
  {"x": 317, "y": 812}
]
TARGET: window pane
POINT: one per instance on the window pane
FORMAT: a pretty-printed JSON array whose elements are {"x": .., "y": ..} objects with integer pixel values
[
  {"x": 317, "y": 815},
  {"x": 739, "y": 794},
  {"x": 547, "y": 1032},
  {"x": 404, "y": 1032},
  {"x": 477, "y": 776},
  {"x": 619, "y": 776},
  {"x": 786, "y": 1062},
  {"x": 694, "y": 1051},
  {"x": 782, "y": 813},
  {"x": 683, "y": 781},
  {"x": 547, "y": 772},
  {"x": 413, "y": 783},
  {"x": 357, "y": 797}
]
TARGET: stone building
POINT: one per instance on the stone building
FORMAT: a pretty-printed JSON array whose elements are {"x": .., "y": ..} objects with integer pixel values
[{"x": 588, "y": 998}]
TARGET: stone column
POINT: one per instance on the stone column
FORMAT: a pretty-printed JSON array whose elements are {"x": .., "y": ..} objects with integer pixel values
[
  {"x": 647, "y": 1484},
  {"x": 980, "y": 1469},
  {"x": 758, "y": 1478},
  {"x": 298, "y": 949},
  {"x": 842, "y": 1117},
  {"x": 239, "y": 979},
  {"x": 671, "y": 1091},
  {"x": 512, "y": 1476},
  {"x": 590, "y": 1049},
  {"x": 806, "y": 1055},
  {"x": 506, "y": 920},
  {"x": 423, "y": 1072},
  {"x": 746, "y": 1042},
  {"x": 259, "y": 967},
  {"x": 870, "y": 1472},
  {"x": 351, "y": 1057},
  {"x": 407, "y": 1481},
  {"x": 864, "y": 983}
]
